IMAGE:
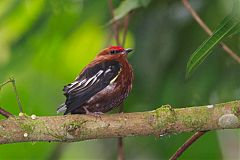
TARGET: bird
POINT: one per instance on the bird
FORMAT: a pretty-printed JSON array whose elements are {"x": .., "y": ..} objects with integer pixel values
[{"x": 102, "y": 85}]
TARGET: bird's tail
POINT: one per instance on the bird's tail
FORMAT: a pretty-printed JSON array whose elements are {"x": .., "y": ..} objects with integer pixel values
[{"x": 62, "y": 108}]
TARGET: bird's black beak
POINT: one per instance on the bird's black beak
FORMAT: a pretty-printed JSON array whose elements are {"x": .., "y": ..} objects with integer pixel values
[{"x": 128, "y": 50}]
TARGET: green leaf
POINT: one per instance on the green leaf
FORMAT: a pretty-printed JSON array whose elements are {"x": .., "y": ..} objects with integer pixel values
[
  {"x": 127, "y": 6},
  {"x": 236, "y": 14},
  {"x": 230, "y": 25},
  {"x": 234, "y": 31}
]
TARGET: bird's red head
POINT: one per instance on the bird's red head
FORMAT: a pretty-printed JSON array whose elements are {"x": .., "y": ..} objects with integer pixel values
[{"x": 115, "y": 50}]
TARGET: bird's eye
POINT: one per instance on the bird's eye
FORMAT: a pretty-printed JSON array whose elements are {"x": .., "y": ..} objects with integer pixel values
[{"x": 113, "y": 51}]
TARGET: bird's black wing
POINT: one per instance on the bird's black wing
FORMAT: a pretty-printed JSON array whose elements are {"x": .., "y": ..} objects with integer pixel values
[{"x": 90, "y": 82}]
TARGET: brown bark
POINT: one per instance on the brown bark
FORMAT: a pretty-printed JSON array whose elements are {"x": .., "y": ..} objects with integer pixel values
[{"x": 164, "y": 120}]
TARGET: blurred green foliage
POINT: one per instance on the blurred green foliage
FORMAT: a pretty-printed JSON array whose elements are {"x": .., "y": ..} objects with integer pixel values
[
  {"x": 230, "y": 25},
  {"x": 127, "y": 6},
  {"x": 44, "y": 45}
]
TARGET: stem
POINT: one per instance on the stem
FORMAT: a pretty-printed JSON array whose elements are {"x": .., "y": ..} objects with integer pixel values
[
  {"x": 12, "y": 80},
  {"x": 57, "y": 152},
  {"x": 120, "y": 149},
  {"x": 120, "y": 139},
  {"x": 126, "y": 23},
  {"x": 115, "y": 25},
  {"x": 5, "y": 113},
  {"x": 207, "y": 30},
  {"x": 187, "y": 144}
]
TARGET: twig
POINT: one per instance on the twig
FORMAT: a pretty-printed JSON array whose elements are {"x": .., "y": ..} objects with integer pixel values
[
  {"x": 57, "y": 152},
  {"x": 12, "y": 80},
  {"x": 126, "y": 23},
  {"x": 115, "y": 25},
  {"x": 5, "y": 113},
  {"x": 116, "y": 35},
  {"x": 187, "y": 144},
  {"x": 197, "y": 135},
  {"x": 109, "y": 39},
  {"x": 164, "y": 120},
  {"x": 120, "y": 145},
  {"x": 207, "y": 30},
  {"x": 121, "y": 107},
  {"x": 120, "y": 149}
]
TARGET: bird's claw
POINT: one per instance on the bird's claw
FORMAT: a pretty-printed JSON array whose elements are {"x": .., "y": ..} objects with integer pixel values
[{"x": 96, "y": 114}]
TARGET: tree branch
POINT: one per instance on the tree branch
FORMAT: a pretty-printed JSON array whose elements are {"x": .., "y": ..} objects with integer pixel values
[{"x": 161, "y": 121}]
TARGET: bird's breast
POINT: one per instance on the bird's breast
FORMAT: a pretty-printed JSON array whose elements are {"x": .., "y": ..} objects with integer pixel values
[{"x": 113, "y": 94}]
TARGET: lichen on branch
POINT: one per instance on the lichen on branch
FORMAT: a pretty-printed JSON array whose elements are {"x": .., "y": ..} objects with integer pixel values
[{"x": 162, "y": 121}]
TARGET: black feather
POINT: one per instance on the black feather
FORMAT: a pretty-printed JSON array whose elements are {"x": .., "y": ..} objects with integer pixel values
[{"x": 90, "y": 82}]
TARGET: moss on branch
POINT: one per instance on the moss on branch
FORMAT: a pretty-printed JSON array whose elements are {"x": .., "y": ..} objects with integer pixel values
[{"x": 163, "y": 120}]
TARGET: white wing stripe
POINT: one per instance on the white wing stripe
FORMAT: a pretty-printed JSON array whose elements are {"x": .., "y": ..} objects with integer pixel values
[
  {"x": 93, "y": 78},
  {"x": 108, "y": 70},
  {"x": 78, "y": 84},
  {"x": 84, "y": 82}
]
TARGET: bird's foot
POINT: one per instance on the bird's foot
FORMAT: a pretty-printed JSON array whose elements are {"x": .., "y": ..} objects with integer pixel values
[{"x": 95, "y": 114}]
